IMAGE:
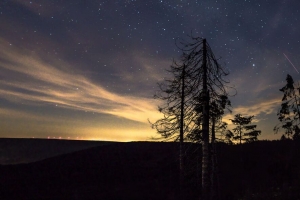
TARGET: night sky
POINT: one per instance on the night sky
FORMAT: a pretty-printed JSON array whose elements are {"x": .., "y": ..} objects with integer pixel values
[{"x": 89, "y": 69}]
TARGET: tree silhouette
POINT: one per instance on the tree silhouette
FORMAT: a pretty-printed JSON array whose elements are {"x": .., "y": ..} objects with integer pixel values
[
  {"x": 221, "y": 129},
  {"x": 178, "y": 94},
  {"x": 243, "y": 130},
  {"x": 216, "y": 111},
  {"x": 197, "y": 82},
  {"x": 212, "y": 90},
  {"x": 289, "y": 113}
]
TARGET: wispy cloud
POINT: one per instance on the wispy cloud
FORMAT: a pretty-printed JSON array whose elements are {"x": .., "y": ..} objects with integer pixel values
[
  {"x": 265, "y": 107},
  {"x": 37, "y": 81}
]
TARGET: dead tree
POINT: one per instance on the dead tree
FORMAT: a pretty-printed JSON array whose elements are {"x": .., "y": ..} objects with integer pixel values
[
  {"x": 178, "y": 113},
  {"x": 197, "y": 80},
  {"x": 212, "y": 87}
]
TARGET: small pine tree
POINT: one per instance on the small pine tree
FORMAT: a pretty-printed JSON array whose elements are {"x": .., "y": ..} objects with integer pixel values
[
  {"x": 243, "y": 130},
  {"x": 283, "y": 138}
]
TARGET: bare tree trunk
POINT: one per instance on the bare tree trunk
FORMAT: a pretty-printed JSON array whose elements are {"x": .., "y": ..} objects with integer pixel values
[
  {"x": 240, "y": 135},
  {"x": 181, "y": 175},
  {"x": 213, "y": 135},
  {"x": 213, "y": 156},
  {"x": 205, "y": 130}
]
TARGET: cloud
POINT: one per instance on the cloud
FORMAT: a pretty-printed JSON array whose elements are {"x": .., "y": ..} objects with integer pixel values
[
  {"x": 40, "y": 82},
  {"x": 16, "y": 114},
  {"x": 265, "y": 107}
]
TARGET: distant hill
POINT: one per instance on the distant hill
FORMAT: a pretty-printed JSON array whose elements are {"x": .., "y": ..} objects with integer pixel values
[
  {"x": 149, "y": 170},
  {"x": 17, "y": 150}
]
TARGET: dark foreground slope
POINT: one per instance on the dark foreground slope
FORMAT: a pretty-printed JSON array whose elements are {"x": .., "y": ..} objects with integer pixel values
[
  {"x": 146, "y": 170},
  {"x": 115, "y": 171},
  {"x": 260, "y": 170}
]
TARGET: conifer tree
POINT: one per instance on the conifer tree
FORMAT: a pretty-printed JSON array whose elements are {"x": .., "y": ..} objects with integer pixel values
[
  {"x": 243, "y": 131},
  {"x": 289, "y": 113}
]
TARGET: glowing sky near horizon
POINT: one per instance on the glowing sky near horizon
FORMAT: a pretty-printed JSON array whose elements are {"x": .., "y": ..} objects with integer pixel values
[{"x": 88, "y": 69}]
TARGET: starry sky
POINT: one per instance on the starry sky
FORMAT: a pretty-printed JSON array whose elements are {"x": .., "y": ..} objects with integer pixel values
[{"x": 89, "y": 69}]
